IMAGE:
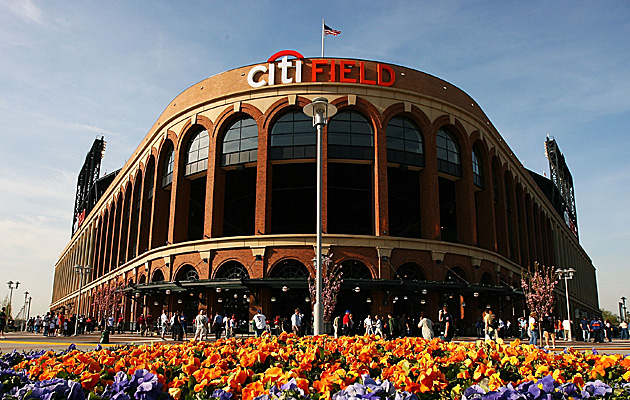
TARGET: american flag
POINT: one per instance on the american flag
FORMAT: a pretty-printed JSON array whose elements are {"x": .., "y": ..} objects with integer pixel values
[{"x": 330, "y": 31}]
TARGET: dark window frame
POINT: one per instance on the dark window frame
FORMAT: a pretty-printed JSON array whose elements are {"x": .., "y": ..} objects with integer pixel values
[
  {"x": 405, "y": 156},
  {"x": 241, "y": 153},
  {"x": 452, "y": 164}
]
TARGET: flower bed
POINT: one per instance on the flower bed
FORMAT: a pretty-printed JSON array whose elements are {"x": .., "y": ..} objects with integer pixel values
[{"x": 315, "y": 367}]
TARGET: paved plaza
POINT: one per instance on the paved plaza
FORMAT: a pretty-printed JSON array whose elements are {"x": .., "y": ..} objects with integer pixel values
[{"x": 23, "y": 341}]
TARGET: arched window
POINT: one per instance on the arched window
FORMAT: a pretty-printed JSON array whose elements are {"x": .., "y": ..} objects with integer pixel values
[
  {"x": 477, "y": 168},
  {"x": 353, "y": 269},
  {"x": 232, "y": 270},
  {"x": 293, "y": 136},
  {"x": 350, "y": 136},
  {"x": 449, "y": 160},
  {"x": 410, "y": 272},
  {"x": 187, "y": 273},
  {"x": 167, "y": 171},
  {"x": 240, "y": 143},
  {"x": 404, "y": 142},
  {"x": 456, "y": 274},
  {"x": 197, "y": 153},
  {"x": 158, "y": 276},
  {"x": 289, "y": 269},
  {"x": 486, "y": 279}
]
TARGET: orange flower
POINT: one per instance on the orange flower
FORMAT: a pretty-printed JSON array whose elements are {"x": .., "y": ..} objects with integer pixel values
[{"x": 89, "y": 380}]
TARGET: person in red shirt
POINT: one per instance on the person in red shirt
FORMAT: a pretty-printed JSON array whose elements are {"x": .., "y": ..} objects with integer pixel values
[{"x": 346, "y": 323}]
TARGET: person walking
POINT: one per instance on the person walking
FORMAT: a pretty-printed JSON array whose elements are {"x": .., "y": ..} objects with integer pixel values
[
  {"x": 201, "y": 323},
  {"x": 346, "y": 323},
  {"x": 426, "y": 326},
  {"x": 393, "y": 326},
  {"x": 163, "y": 324},
  {"x": 549, "y": 331},
  {"x": 3, "y": 322},
  {"x": 596, "y": 330},
  {"x": 448, "y": 327},
  {"x": 566, "y": 326},
  {"x": 337, "y": 326},
  {"x": 296, "y": 322},
  {"x": 586, "y": 331},
  {"x": 533, "y": 329},
  {"x": 377, "y": 324},
  {"x": 489, "y": 326},
  {"x": 623, "y": 326},
  {"x": 608, "y": 330},
  {"x": 367, "y": 324},
  {"x": 260, "y": 323},
  {"x": 217, "y": 325}
]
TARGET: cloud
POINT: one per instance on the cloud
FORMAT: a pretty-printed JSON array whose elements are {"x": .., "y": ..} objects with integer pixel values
[{"x": 25, "y": 9}]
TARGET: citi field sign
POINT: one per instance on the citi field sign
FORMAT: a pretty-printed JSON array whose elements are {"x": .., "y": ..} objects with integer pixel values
[{"x": 280, "y": 70}]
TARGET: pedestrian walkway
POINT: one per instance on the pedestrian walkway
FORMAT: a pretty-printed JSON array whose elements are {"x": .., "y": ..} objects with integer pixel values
[{"x": 23, "y": 341}]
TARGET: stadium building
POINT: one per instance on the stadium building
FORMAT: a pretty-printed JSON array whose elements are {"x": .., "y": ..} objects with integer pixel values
[{"x": 424, "y": 203}]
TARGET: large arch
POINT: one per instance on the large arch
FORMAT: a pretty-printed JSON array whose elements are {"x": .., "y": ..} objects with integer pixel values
[
  {"x": 162, "y": 193},
  {"x": 292, "y": 147},
  {"x": 231, "y": 269},
  {"x": 238, "y": 158},
  {"x": 190, "y": 199},
  {"x": 405, "y": 147},
  {"x": 289, "y": 268},
  {"x": 186, "y": 273},
  {"x": 350, "y": 137}
]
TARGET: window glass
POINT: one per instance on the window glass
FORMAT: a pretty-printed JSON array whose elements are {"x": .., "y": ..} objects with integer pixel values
[
  {"x": 167, "y": 175},
  {"x": 240, "y": 142},
  {"x": 477, "y": 168},
  {"x": 448, "y": 153},
  {"x": 293, "y": 136},
  {"x": 350, "y": 135},
  {"x": 197, "y": 154},
  {"x": 404, "y": 142}
]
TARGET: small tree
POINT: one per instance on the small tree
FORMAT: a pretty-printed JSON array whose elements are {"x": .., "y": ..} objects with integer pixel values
[
  {"x": 538, "y": 285},
  {"x": 106, "y": 299},
  {"x": 331, "y": 284}
]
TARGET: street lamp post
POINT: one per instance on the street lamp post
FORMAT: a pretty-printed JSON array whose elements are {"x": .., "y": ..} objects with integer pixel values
[
  {"x": 11, "y": 287},
  {"x": 82, "y": 271},
  {"x": 28, "y": 312},
  {"x": 25, "y": 303},
  {"x": 567, "y": 274},
  {"x": 625, "y": 310},
  {"x": 320, "y": 110}
]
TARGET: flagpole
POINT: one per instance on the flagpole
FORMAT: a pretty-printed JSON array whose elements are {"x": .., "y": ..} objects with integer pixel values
[{"x": 323, "y": 34}]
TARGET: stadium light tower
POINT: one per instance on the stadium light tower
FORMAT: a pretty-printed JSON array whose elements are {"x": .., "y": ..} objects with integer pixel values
[{"x": 320, "y": 110}]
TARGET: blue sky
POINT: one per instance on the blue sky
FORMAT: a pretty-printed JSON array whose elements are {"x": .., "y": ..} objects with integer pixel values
[{"x": 70, "y": 71}]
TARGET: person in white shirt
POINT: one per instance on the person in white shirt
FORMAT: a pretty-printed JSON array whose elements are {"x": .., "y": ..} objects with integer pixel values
[
  {"x": 566, "y": 326},
  {"x": 260, "y": 322},
  {"x": 201, "y": 322},
  {"x": 377, "y": 324},
  {"x": 367, "y": 324},
  {"x": 426, "y": 326},
  {"x": 296, "y": 322},
  {"x": 163, "y": 324}
]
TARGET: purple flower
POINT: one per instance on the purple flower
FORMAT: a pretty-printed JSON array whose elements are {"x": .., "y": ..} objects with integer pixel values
[
  {"x": 372, "y": 389},
  {"x": 51, "y": 389},
  {"x": 148, "y": 387},
  {"x": 473, "y": 392},
  {"x": 597, "y": 388},
  {"x": 221, "y": 394}
]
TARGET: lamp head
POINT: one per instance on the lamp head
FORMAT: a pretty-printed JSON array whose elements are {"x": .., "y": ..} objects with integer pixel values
[{"x": 320, "y": 110}]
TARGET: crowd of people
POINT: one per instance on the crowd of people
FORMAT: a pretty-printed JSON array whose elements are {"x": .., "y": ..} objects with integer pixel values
[{"x": 543, "y": 331}]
